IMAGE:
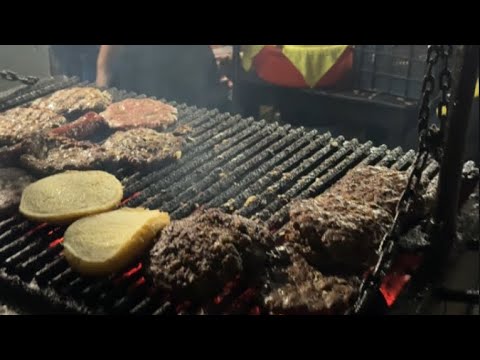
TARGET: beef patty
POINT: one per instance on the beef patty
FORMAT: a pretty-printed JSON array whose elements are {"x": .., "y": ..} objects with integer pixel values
[
  {"x": 142, "y": 147},
  {"x": 74, "y": 101},
  {"x": 341, "y": 229},
  {"x": 198, "y": 255},
  {"x": 46, "y": 155},
  {"x": 19, "y": 123},
  {"x": 301, "y": 289},
  {"x": 12, "y": 183},
  {"x": 135, "y": 113}
]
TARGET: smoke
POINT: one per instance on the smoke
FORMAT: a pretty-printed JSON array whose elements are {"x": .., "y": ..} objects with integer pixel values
[{"x": 183, "y": 73}]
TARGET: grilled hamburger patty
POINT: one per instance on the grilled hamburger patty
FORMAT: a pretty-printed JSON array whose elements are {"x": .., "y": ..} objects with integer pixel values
[
  {"x": 142, "y": 147},
  {"x": 300, "y": 289},
  {"x": 341, "y": 228},
  {"x": 12, "y": 183},
  {"x": 19, "y": 123},
  {"x": 74, "y": 100},
  {"x": 46, "y": 155},
  {"x": 135, "y": 113},
  {"x": 197, "y": 255}
]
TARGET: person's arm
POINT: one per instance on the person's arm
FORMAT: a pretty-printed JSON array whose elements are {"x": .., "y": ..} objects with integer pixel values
[{"x": 105, "y": 60}]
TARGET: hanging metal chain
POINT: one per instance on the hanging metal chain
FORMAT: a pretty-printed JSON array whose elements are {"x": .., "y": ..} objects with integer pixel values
[
  {"x": 430, "y": 141},
  {"x": 445, "y": 86},
  {"x": 13, "y": 76}
]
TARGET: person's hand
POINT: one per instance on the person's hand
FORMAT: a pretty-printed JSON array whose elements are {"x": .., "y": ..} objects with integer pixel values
[
  {"x": 103, "y": 79},
  {"x": 106, "y": 56}
]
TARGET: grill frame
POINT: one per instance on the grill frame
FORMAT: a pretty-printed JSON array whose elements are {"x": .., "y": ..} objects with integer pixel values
[{"x": 313, "y": 172}]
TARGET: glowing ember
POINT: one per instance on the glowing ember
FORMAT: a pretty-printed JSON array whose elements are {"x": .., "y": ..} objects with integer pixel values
[
  {"x": 130, "y": 198},
  {"x": 394, "y": 282},
  {"x": 255, "y": 311},
  {"x": 392, "y": 286},
  {"x": 41, "y": 226},
  {"x": 55, "y": 242},
  {"x": 51, "y": 232},
  {"x": 139, "y": 282},
  {"x": 132, "y": 271}
]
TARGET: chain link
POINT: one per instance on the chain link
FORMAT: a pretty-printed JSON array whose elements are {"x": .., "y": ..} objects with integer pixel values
[
  {"x": 430, "y": 142},
  {"x": 13, "y": 76}
]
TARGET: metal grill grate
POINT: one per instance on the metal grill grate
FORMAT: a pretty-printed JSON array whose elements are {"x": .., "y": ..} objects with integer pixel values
[{"x": 253, "y": 168}]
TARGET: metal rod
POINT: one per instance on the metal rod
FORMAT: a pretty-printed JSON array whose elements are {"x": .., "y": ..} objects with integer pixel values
[{"x": 445, "y": 214}]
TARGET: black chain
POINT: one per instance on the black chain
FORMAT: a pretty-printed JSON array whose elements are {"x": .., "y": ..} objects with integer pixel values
[
  {"x": 13, "y": 76},
  {"x": 445, "y": 85},
  {"x": 430, "y": 141}
]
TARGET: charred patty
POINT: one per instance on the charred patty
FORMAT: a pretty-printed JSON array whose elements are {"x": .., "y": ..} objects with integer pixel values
[{"x": 197, "y": 255}]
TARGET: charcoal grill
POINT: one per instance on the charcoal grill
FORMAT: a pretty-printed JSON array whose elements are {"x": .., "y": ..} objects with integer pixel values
[{"x": 250, "y": 167}]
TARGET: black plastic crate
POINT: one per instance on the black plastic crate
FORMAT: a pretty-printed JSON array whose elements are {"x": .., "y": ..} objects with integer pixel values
[{"x": 391, "y": 69}]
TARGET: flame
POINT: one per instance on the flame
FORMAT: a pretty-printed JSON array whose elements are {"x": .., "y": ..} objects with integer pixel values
[
  {"x": 392, "y": 286},
  {"x": 130, "y": 198},
  {"x": 217, "y": 300},
  {"x": 55, "y": 242},
  {"x": 394, "y": 282}
]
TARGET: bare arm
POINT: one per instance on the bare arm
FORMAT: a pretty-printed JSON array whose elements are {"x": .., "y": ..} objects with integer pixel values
[{"x": 105, "y": 59}]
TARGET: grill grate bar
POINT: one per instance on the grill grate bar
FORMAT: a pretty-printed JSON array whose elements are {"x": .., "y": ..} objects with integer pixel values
[
  {"x": 186, "y": 189},
  {"x": 42, "y": 88},
  {"x": 326, "y": 157},
  {"x": 236, "y": 195},
  {"x": 391, "y": 157},
  {"x": 15, "y": 246},
  {"x": 45, "y": 273},
  {"x": 316, "y": 187},
  {"x": 191, "y": 160},
  {"x": 232, "y": 171},
  {"x": 376, "y": 154},
  {"x": 34, "y": 263},
  {"x": 251, "y": 168},
  {"x": 404, "y": 161},
  {"x": 62, "y": 278},
  {"x": 9, "y": 223}
]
